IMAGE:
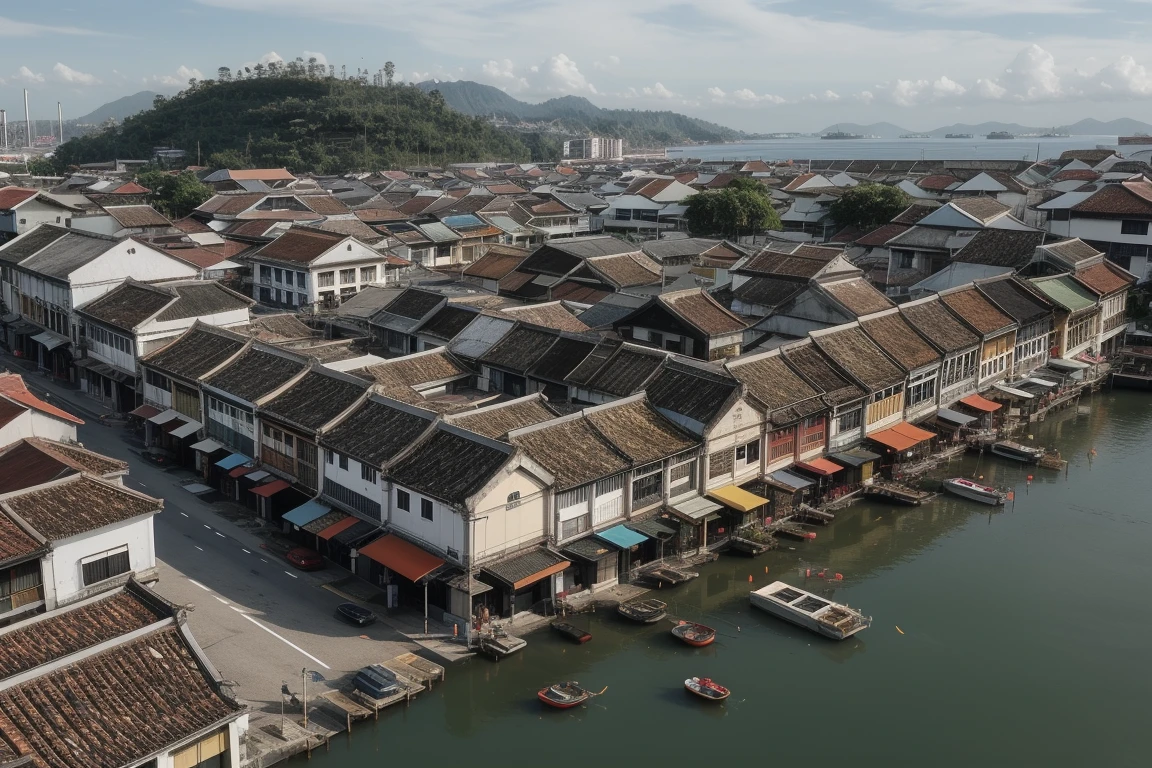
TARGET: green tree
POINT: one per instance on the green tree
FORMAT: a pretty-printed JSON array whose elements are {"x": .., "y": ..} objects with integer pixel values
[
  {"x": 45, "y": 166},
  {"x": 389, "y": 72},
  {"x": 224, "y": 75},
  {"x": 229, "y": 158},
  {"x": 175, "y": 194},
  {"x": 731, "y": 212},
  {"x": 867, "y": 206}
]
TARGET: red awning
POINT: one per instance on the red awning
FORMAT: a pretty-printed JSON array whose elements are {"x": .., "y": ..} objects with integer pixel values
[
  {"x": 339, "y": 527},
  {"x": 981, "y": 403},
  {"x": 820, "y": 466},
  {"x": 271, "y": 488},
  {"x": 406, "y": 559},
  {"x": 241, "y": 470},
  {"x": 169, "y": 427},
  {"x": 145, "y": 412},
  {"x": 902, "y": 436}
]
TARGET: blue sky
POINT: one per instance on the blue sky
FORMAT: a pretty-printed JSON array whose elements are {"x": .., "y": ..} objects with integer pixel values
[{"x": 761, "y": 65}]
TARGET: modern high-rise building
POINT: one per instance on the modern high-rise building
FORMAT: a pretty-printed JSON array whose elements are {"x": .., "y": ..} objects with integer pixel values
[{"x": 594, "y": 149}]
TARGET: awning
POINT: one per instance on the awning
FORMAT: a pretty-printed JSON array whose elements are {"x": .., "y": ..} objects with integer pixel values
[
  {"x": 23, "y": 327},
  {"x": 165, "y": 416},
  {"x": 1014, "y": 392},
  {"x": 105, "y": 370},
  {"x": 184, "y": 430},
  {"x": 526, "y": 569},
  {"x": 789, "y": 480},
  {"x": 1062, "y": 364},
  {"x": 357, "y": 532},
  {"x": 254, "y": 477},
  {"x": 1040, "y": 382},
  {"x": 233, "y": 460},
  {"x": 50, "y": 340},
  {"x": 652, "y": 528},
  {"x": 736, "y": 497},
  {"x": 326, "y": 520},
  {"x": 591, "y": 549},
  {"x": 396, "y": 554},
  {"x": 857, "y": 457},
  {"x": 902, "y": 436},
  {"x": 954, "y": 416},
  {"x": 622, "y": 536},
  {"x": 820, "y": 466},
  {"x": 981, "y": 403},
  {"x": 330, "y": 531},
  {"x": 207, "y": 446},
  {"x": 145, "y": 411},
  {"x": 242, "y": 471},
  {"x": 695, "y": 509},
  {"x": 306, "y": 513},
  {"x": 272, "y": 488}
]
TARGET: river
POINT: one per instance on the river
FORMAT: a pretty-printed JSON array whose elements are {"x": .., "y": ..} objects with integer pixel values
[
  {"x": 1022, "y": 641},
  {"x": 978, "y": 148}
]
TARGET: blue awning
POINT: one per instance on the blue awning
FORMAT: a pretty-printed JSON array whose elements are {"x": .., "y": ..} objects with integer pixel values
[
  {"x": 954, "y": 416},
  {"x": 789, "y": 480},
  {"x": 306, "y": 513},
  {"x": 621, "y": 536},
  {"x": 233, "y": 460}
]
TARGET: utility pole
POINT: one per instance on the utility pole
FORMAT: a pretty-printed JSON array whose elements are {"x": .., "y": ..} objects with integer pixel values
[
  {"x": 27, "y": 122},
  {"x": 4, "y": 125},
  {"x": 304, "y": 677},
  {"x": 60, "y": 121}
]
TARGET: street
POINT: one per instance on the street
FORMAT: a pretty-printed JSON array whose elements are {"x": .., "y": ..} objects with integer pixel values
[{"x": 259, "y": 620}]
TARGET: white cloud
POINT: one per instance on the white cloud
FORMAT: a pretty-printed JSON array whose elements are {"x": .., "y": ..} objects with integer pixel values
[
  {"x": 13, "y": 28},
  {"x": 658, "y": 91},
  {"x": 66, "y": 74},
  {"x": 744, "y": 97},
  {"x": 557, "y": 75},
  {"x": 825, "y": 96},
  {"x": 611, "y": 62},
  {"x": 502, "y": 74},
  {"x": 985, "y": 8},
  {"x": 321, "y": 59},
  {"x": 181, "y": 77},
  {"x": 25, "y": 75}
]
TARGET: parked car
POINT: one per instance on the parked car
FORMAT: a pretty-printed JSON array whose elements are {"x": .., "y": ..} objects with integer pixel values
[
  {"x": 305, "y": 559},
  {"x": 354, "y": 614}
]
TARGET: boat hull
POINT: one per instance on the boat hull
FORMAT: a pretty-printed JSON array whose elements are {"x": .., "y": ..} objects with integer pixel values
[
  {"x": 1012, "y": 454},
  {"x": 643, "y": 612},
  {"x": 695, "y": 635},
  {"x": 713, "y": 692},
  {"x": 974, "y": 494},
  {"x": 854, "y": 621},
  {"x": 565, "y": 698}
]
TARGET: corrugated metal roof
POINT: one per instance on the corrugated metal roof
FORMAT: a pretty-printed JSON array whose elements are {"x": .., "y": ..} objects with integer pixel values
[
  {"x": 1067, "y": 293},
  {"x": 437, "y": 232}
]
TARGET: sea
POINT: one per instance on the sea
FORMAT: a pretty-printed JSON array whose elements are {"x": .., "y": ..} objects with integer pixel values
[
  {"x": 1013, "y": 636},
  {"x": 978, "y": 148}
]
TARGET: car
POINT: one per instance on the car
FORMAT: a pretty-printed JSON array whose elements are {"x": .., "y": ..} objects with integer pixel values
[
  {"x": 354, "y": 614},
  {"x": 305, "y": 559}
]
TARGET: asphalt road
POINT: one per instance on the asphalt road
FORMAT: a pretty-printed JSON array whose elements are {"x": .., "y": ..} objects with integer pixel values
[{"x": 258, "y": 619}]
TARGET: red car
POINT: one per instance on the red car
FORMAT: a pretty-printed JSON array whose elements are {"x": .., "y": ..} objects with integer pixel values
[{"x": 305, "y": 559}]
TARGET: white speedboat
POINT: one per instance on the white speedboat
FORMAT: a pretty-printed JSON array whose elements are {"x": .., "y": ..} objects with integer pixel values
[
  {"x": 1017, "y": 452},
  {"x": 984, "y": 494},
  {"x": 809, "y": 611}
]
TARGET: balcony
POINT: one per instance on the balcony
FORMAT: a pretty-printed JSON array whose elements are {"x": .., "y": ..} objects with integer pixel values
[{"x": 25, "y": 598}]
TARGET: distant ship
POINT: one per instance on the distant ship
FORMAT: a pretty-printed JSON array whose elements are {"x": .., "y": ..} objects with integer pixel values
[
  {"x": 915, "y": 136},
  {"x": 841, "y": 135},
  {"x": 1055, "y": 135},
  {"x": 1000, "y": 135},
  {"x": 958, "y": 136}
]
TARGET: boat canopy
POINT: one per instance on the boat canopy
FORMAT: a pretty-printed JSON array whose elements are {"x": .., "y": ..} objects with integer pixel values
[{"x": 737, "y": 498}]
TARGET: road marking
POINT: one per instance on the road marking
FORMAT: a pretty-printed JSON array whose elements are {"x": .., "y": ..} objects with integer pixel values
[
  {"x": 221, "y": 599},
  {"x": 219, "y": 534},
  {"x": 291, "y": 574},
  {"x": 208, "y": 527},
  {"x": 287, "y": 642},
  {"x": 235, "y": 609},
  {"x": 184, "y": 513},
  {"x": 245, "y": 551},
  {"x": 198, "y": 547},
  {"x": 263, "y": 560},
  {"x": 198, "y": 583}
]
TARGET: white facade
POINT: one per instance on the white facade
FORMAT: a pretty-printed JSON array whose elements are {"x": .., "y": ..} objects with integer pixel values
[
  {"x": 33, "y": 423},
  {"x": 63, "y": 566},
  {"x": 342, "y": 270},
  {"x": 33, "y": 212},
  {"x": 1137, "y": 234}
]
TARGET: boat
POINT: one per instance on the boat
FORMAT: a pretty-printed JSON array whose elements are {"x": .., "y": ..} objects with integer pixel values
[
  {"x": 1000, "y": 135},
  {"x": 667, "y": 576},
  {"x": 842, "y": 135},
  {"x": 915, "y": 136},
  {"x": 644, "y": 611},
  {"x": 706, "y": 689},
  {"x": 572, "y": 632},
  {"x": 696, "y": 635},
  {"x": 499, "y": 643},
  {"x": 1017, "y": 452},
  {"x": 895, "y": 493},
  {"x": 957, "y": 135},
  {"x": 566, "y": 695},
  {"x": 974, "y": 491},
  {"x": 748, "y": 546},
  {"x": 806, "y": 610}
]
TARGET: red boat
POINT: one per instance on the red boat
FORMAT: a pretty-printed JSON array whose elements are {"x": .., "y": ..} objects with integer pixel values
[
  {"x": 566, "y": 695},
  {"x": 696, "y": 635},
  {"x": 706, "y": 689}
]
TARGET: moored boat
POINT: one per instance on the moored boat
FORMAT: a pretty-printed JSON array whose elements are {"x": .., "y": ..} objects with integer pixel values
[
  {"x": 696, "y": 635},
  {"x": 1017, "y": 452},
  {"x": 501, "y": 644},
  {"x": 985, "y": 494},
  {"x": 565, "y": 695},
  {"x": 572, "y": 632},
  {"x": 805, "y": 609},
  {"x": 643, "y": 611},
  {"x": 706, "y": 689}
]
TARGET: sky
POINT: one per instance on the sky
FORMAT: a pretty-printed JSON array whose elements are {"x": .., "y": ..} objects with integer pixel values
[{"x": 756, "y": 65}]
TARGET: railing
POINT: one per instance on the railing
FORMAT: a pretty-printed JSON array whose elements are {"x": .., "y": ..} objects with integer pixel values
[
  {"x": 20, "y": 599},
  {"x": 608, "y": 510}
]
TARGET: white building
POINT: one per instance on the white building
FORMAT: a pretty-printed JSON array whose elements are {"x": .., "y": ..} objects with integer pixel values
[
  {"x": 23, "y": 209},
  {"x": 595, "y": 148},
  {"x": 1113, "y": 219},
  {"x": 24, "y": 415}
]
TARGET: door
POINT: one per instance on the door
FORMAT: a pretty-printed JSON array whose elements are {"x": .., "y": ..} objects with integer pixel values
[{"x": 866, "y": 471}]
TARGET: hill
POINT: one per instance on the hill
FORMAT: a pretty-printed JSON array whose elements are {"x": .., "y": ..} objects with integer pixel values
[
  {"x": 304, "y": 123},
  {"x": 1123, "y": 126},
  {"x": 575, "y": 116},
  {"x": 883, "y": 130},
  {"x": 119, "y": 109}
]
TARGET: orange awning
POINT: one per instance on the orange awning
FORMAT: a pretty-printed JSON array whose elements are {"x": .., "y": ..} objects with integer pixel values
[
  {"x": 406, "y": 559},
  {"x": 981, "y": 403},
  {"x": 910, "y": 430},
  {"x": 336, "y": 528},
  {"x": 902, "y": 436},
  {"x": 820, "y": 466},
  {"x": 528, "y": 581},
  {"x": 268, "y": 489},
  {"x": 241, "y": 470}
]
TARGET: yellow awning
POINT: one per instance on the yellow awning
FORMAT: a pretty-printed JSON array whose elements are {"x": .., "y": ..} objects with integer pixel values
[{"x": 736, "y": 497}]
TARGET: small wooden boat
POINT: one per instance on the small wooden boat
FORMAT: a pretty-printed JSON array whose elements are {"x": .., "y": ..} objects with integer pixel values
[
  {"x": 984, "y": 494},
  {"x": 696, "y": 635},
  {"x": 571, "y": 631},
  {"x": 667, "y": 576},
  {"x": 750, "y": 546},
  {"x": 706, "y": 689},
  {"x": 566, "y": 695},
  {"x": 643, "y": 611},
  {"x": 1017, "y": 452},
  {"x": 807, "y": 610},
  {"x": 895, "y": 493},
  {"x": 794, "y": 530},
  {"x": 499, "y": 644}
]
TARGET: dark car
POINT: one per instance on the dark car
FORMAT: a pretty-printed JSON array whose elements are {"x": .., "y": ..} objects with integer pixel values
[
  {"x": 354, "y": 614},
  {"x": 305, "y": 559}
]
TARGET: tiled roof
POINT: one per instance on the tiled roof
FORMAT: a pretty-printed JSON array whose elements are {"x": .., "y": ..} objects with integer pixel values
[
  {"x": 1092, "y": 156},
  {"x": 854, "y": 352},
  {"x": 639, "y": 431},
  {"x": 1021, "y": 304},
  {"x": 780, "y": 389},
  {"x": 573, "y": 451},
  {"x": 324, "y": 204},
  {"x": 858, "y": 296},
  {"x": 77, "y": 505},
  {"x": 196, "y": 352},
  {"x": 914, "y": 213},
  {"x": 315, "y": 400},
  {"x": 64, "y": 256},
  {"x": 776, "y": 264},
  {"x": 497, "y": 421},
  {"x": 1104, "y": 279},
  {"x": 1077, "y": 174},
  {"x": 935, "y": 322},
  {"x": 808, "y": 361},
  {"x": 35, "y": 461},
  {"x": 1073, "y": 250},
  {"x": 570, "y": 290},
  {"x": 698, "y": 309},
  {"x": 255, "y": 373},
  {"x": 628, "y": 371},
  {"x": 799, "y": 181},
  {"x": 414, "y": 303},
  {"x": 937, "y": 182},
  {"x": 583, "y": 373},
  {"x": 881, "y": 235},
  {"x": 414, "y": 370},
  {"x": 550, "y": 315},
  {"x": 690, "y": 390},
  {"x": 982, "y": 208},
  {"x": 299, "y": 245},
  {"x": 767, "y": 291},
  {"x": 230, "y": 205},
  {"x": 892, "y": 334},
  {"x": 647, "y": 187},
  {"x": 626, "y": 270},
  {"x": 376, "y": 432},
  {"x": 976, "y": 310},
  {"x": 1001, "y": 248},
  {"x": 135, "y": 216},
  {"x": 448, "y": 321},
  {"x": 448, "y": 466},
  {"x": 520, "y": 349},
  {"x": 1126, "y": 198},
  {"x": 278, "y": 327},
  {"x": 13, "y": 388},
  {"x": 497, "y": 263},
  {"x": 15, "y": 251},
  {"x": 561, "y": 358},
  {"x": 10, "y": 197},
  {"x": 15, "y": 544}
]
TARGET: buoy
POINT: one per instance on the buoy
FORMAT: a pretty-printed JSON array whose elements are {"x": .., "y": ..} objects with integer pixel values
[
  {"x": 1029, "y": 478},
  {"x": 749, "y": 578},
  {"x": 765, "y": 569},
  {"x": 981, "y": 477},
  {"x": 820, "y": 574},
  {"x": 455, "y": 630},
  {"x": 899, "y": 630},
  {"x": 839, "y": 577},
  {"x": 810, "y": 535},
  {"x": 807, "y": 573}
]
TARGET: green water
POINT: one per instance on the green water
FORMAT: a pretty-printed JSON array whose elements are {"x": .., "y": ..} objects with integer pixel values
[{"x": 1024, "y": 641}]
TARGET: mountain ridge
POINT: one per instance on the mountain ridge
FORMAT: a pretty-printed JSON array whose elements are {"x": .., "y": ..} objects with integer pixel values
[
  {"x": 125, "y": 106},
  {"x": 1123, "y": 126}
]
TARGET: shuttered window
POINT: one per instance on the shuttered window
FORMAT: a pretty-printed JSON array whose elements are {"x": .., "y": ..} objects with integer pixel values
[{"x": 105, "y": 565}]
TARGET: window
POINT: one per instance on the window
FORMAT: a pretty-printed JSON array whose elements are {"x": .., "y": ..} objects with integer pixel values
[
  {"x": 265, "y": 274},
  {"x": 782, "y": 445},
  {"x": 301, "y": 299},
  {"x": 368, "y": 474},
  {"x": 682, "y": 478},
  {"x": 403, "y": 501},
  {"x": 105, "y": 565},
  {"x": 656, "y": 338},
  {"x": 347, "y": 276},
  {"x": 575, "y": 526},
  {"x": 329, "y": 457},
  {"x": 300, "y": 280},
  {"x": 922, "y": 389},
  {"x": 156, "y": 380},
  {"x": 513, "y": 500},
  {"x": 720, "y": 463},
  {"x": 623, "y": 214},
  {"x": 326, "y": 279},
  {"x": 343, "y": 462},
  {"x": 1129, "y": 227},
  {"x": 279, "y": 275},
  {"x": 573, "y": 497},
  {"x": 266, "y": 295},
  {"x": 426, "y": 509},
  {"x": 648, "y": 485},
  {"x": 368, "y": 274},
  {"x": 849, "y": 420},
  {"x": 903, "y": 259}
]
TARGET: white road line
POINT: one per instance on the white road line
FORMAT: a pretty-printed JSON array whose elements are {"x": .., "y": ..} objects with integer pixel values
[
  {"x": 219, "y": 534},
  {"x": 289, "y": 643},
  {"x": 235, "y": 609},
  {"x": 184, "y": 513},
  {"x": 245, "y": 551},
  {"x": 291, "y": 574},
  {"x": 198, "y": 547},
  {"x": 263, "y": 560},
  {"x": 221, "y": 599},
  {"x": 208, "y": 527},
  {"x": 193, "y": 581}
]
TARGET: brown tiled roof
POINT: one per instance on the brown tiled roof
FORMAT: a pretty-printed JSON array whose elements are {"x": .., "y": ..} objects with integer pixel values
[
  {"x": 376, "y": 432},
  {"x": 774, "y": 263},
  {"x": 261, "y": 174},
  {"x": 128, "y": 304},
  {"x": 13, "y": 391},
  {"x": 982, "y": 208},
  {"x": 1104, "y": 279},
  {"x": 15, "y": 543},
  {"x": 515, "y": 280},
  {"x": 77, "y": 505},
  {"x": 324, "y": 204},
  {"x": 1090, "y": 156},
  {"x": 496, "y": 422},
  {"x": 316, "y": 399},
  {"x": 414, "y": 370},
  {"x": 799, "y": 181},
  {"x": 647, "y": 187},
  {"x": 353, "y": 228},
  {"x": 191, "y": 226},
  {"x": 935, "y": 322},
  {"x": 550, "y": 315},
  {"x": 448, "y": 466},
  {"x": 881, "y": 235},
  {"x": 505, "y": 189},
  {"x": 695, "y": 307},
  {"x": 230, "y": 205},
  {"x": 299, "y": 245},
  {"x": 562, "y": 358},
  {"x": 854, "y": 352},
  {"x": 520, "y": 348},
  {"x": 255, "y": 373},
  {"x": 698, "y": 391},
  {"x": 13, "y": 196},
  {"x": 640, "y": 432},
  {"x": 892, "y": 334},
  {"x": 723, "y": 253},
  {"x": 627, "y": 371},
  {"x": 1001, "y": 247},
  {"x": 571, "y": 290},
  {"x": 1077, "y": 174},
  {"x": 132, "y": 216},
  {"x": 976, "y": 310},
  {"x": 205, "y": 258},
  {"x": 550, "y": 208},
  {"x": 858, "y": 296},
  {"x": 626, "y": 270},
  {"x": 573, "y": 451},
  {"x": 1073, "y": 250},
  {"x": 375, "y": 215},
  {"x": 1127, "y": 198},
  {"x": 776, "y": 386},
  {"x": 913, "y": 213},
  {"x": 196, "y": 352},
  {"x": 497, "y": 263},
  {"x": 278, "y": 327},
  {"x": 35, "y": 461},
  {"x": 937, "y": 182},
  {"x": 767, "y": 291},
  {"x": 808, "y": 361}
]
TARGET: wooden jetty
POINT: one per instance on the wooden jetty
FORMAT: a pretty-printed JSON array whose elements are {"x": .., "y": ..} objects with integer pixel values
[
  {"x": 896, "y": 493},
  {"x": 794, "y": 530},
  {"x": 752, "y": 546},
  {"x": 1052, "y": 460},
  {"x": 806, "y": 513},
  {"x": 1134, "y": 370},
  {"x": 667, "y": 576},
  {"x": 415, "y": 669}
]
